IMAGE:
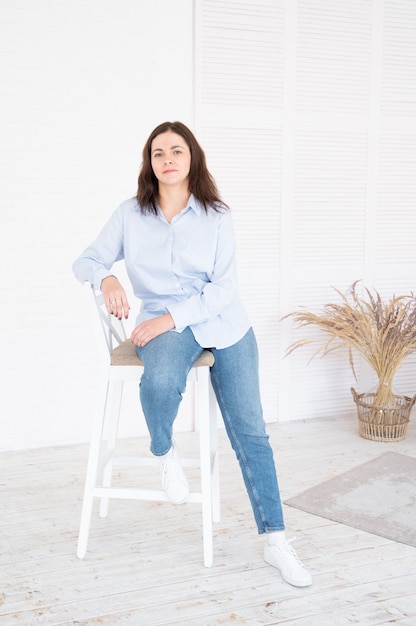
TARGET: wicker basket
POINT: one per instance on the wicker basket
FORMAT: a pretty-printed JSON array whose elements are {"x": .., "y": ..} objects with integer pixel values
[{"x": 382, "y": 424}]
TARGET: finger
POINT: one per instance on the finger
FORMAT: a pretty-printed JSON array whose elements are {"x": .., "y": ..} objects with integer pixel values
[
  {"x": 118, "y": 311},
  {"x": 118, "y": 306},
  {"x": 111, "y": 305},
  {"x": 137, "y": 336},
  {"x": 126, "y": 307},
  {"x": 139, "y": 339}
]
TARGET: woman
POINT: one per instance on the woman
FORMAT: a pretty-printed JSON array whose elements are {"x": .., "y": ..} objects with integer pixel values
[{"x": 176, "y": 238}]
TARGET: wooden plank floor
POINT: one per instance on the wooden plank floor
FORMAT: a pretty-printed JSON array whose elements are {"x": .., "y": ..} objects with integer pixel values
[{"x": 144, "y": 563}]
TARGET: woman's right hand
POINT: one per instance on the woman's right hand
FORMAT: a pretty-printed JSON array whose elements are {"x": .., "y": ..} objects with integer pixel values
[{"x": 115, "y": 297}]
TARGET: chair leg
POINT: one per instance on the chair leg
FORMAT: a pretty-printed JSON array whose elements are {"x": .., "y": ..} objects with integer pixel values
[
  {"x": 92, "y": 470},
  {"x": 107, "y": 416},
  {"x": 205, "y": 462},
  {"x": 215, "y": 467},
  {"x": 114, "y": 407},
  {"x": 206, "y": 509}
]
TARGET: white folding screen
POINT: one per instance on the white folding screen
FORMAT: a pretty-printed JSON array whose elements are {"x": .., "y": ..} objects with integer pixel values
[
  {"x": 307, "y": 113},
  {"x": 239, "y": 76},
  {"x": 326, "y": 218}
]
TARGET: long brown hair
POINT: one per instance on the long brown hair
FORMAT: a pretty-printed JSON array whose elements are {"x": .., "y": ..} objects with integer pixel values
[{"x": 201, "y": 183}]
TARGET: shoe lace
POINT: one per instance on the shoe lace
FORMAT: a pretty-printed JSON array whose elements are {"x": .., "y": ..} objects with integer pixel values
[
  {"x": 290, "y": 552},
  {"x": 168, "y": 468},
  {"x": 170, "y": 471}
]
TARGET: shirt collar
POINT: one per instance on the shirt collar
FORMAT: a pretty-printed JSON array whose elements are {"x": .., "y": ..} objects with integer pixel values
[{"x": 195, "y": 205}]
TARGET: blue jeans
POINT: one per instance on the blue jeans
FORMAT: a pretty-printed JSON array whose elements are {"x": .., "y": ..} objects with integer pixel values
[{"x": 167, "y": 360}]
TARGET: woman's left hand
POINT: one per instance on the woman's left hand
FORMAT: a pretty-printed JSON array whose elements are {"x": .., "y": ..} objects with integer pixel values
[{"x": 149, "y": 329}]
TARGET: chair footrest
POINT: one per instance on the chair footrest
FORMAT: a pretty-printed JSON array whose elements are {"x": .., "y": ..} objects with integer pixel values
[
  {"x": 130, "y": 493},
  {"x": 130, "y": 461}
]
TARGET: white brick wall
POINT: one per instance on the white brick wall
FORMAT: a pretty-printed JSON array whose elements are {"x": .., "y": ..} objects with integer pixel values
[{"x": 82, "y": 85}]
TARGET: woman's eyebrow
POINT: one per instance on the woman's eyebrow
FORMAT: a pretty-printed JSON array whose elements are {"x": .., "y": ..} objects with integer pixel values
[{"x": 161, "y": 149}]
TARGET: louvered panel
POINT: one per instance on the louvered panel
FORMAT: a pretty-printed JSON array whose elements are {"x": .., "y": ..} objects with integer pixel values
[
  {"x": 249, "y": 179},
  {"x": 405, "y": 379},
  {"x": 333, "y": 56},
  {"x": 330, "y": 187},
  {"x": 303, "y": 126},
  {"x": 398, "y": 95},
  {"x": 396, "y": 214},
  {"x": 314, "y": 295},
  {"x": 241, "y": 91},
  {"x": 324, "y": 382},
  {"x": 395, "y": 285},
  {"x": 321, "y": 387},
  {"x": 242, "y": 53}
]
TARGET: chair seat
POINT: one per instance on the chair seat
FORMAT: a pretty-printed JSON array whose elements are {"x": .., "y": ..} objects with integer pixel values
[{"x": 125, "y": 354}]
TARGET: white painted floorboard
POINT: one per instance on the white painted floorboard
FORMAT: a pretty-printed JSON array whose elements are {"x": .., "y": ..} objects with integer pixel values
[{"x": 144, "y": 562}]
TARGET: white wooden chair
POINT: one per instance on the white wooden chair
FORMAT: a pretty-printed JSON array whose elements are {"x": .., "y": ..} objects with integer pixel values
[{"x": 121, "y": 364}]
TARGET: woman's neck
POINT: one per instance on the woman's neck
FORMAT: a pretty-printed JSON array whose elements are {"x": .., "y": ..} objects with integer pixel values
[{"x": 172, "y": 200}]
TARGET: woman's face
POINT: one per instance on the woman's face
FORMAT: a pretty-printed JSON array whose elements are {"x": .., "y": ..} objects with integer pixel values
[{"x": 170, "y": 158}]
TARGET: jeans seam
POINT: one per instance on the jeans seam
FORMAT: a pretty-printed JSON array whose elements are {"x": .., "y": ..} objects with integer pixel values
[{"x": 241, "y": 452}]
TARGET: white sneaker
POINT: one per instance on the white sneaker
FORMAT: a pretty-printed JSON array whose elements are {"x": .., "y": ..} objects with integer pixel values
[
  {"x": 174, "y": 482},
  {"x": 286, "y": 560}
]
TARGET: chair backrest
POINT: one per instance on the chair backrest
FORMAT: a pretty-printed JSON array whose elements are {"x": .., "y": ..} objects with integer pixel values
[{"x": 106, "y": 325}]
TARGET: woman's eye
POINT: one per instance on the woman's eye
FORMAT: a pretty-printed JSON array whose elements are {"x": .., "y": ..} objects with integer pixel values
[{"x": 177, "y": 152}]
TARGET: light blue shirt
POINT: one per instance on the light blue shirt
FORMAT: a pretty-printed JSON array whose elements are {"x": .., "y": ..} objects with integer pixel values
[{"x": 186, "y": 267}]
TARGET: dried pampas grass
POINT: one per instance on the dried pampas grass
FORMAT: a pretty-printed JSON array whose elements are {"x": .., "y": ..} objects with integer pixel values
[{"x": 384, "y": 333}]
